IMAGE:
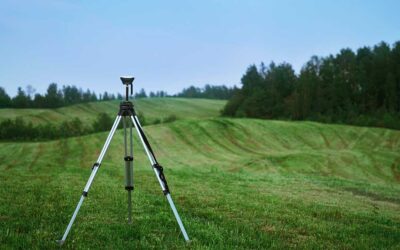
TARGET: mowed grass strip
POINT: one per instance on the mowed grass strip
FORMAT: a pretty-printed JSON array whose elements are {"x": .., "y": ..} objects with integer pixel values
[{"x": 237, "y": 183}]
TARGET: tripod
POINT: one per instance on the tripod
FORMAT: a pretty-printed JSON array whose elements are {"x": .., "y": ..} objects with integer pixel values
[{"x": 126, "y": 113}]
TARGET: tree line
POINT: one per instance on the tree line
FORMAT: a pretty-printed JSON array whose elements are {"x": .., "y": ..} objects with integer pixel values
[
  {"x": 56, "y": 97},
  {"x": 356, "y": 87},
  {"x": 208, "y": 92}
]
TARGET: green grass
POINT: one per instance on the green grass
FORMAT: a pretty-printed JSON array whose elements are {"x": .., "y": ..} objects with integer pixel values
[
  {"x": 237, "y": 183},
  {"x": 153, "y": 108}
]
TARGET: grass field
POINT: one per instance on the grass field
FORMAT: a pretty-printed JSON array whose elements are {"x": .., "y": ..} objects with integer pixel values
[
  {"x": 153, "y": 108},
  {"x": 237, "y": 183}
]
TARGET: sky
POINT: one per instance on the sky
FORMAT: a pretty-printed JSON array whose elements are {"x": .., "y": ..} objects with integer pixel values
[{"x": 169, "y": 45}]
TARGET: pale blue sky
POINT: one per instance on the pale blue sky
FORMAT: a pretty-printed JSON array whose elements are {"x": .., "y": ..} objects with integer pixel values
[{"x": 168, "y": 45}]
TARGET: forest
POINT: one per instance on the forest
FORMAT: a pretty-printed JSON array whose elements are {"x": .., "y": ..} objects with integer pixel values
[
  {"x": 56, "y": 97},
  {"x": 355, "y": 87}
]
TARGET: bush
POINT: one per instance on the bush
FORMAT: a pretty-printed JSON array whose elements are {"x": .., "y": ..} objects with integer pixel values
[
  {"x": 17, "y": 129},
  {"x": 71, "y": 128},
  {"x": 156, "y": 121},
  {"x": 103, "y": 123},
  {"x": 391, "y": 121},
  {"x": 170, "y": 118},
  {"x": 142, "y": 119}
]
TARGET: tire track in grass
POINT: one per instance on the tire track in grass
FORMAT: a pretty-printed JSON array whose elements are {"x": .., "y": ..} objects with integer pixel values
[
  {"x": 41, "y": 118},
  {"x": 229, "y": 133},
  {"x": 304, "y": 141},
  {"x": 385, "y": 143},
  {"x": 38, "y": 154},
  {"x": 361, "y": 135},
  {"x": 349, "y": 157},
  {"x": 64, "y": 152},
  {"x": 11, "y": 164},
  {"x": 309, "y": 129},
  {"x": 326, "y": 141},
  {"x": 5, "y": 155},
  {"x": 88, "y": 155},
  {"x": 323, "y": 133},
  {"x": 372, "y": 195},
  {"x": 379, "y": 134},
  {"x": 83, "y": 156},
  {"x": 23, "y": 151},
  {"x": 217, "y": 141},
  {"x": 396, "y": 143},
  {"x": 272, "y": 133},
  {"x": 362, "y": 167},
  {"x": 392, "y": 140},
  {"x": 395, "y": 167},
  {"x": 213, "y": 139},
  {"x": 205, "y": 150},
  {"x": 376, "y": 166},
  {"x": 85, "y": 108},
  {"x": 343, "y": 142},
  {"x": 370, "y": 139}
]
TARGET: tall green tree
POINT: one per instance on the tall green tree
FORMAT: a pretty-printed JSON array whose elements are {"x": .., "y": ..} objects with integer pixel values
[
  {"x": 21, "y": 100},
  {"x": 53, "y": 97},
  {"x": 391, "y": 93},
  {"x": 141, "y": 94},
  {"x": 5, "y": 100}
]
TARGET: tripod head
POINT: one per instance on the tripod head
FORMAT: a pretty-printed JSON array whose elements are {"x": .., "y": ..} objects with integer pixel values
[{"x": 127, "y": 81}]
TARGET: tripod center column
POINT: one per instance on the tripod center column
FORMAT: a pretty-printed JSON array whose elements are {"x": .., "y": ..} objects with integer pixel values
[{"x": 125, "y": 110}]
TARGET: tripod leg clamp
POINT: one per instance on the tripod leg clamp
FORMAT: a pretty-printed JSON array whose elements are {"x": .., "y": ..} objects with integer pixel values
[
  {"x": 128, "y": 158},
  {"x": 128, "y": 173},
  {"x": 95, "y": 165},
  {"x": 162, "y": 178}
]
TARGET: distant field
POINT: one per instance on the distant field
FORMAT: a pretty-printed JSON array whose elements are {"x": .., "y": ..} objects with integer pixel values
[
  {"x": 238, "y": 184},
  {"x": 152, "y": 108}
]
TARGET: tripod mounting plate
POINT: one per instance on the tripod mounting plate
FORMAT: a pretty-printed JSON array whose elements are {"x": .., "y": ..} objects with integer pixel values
[{"x": 127, "y": 80}]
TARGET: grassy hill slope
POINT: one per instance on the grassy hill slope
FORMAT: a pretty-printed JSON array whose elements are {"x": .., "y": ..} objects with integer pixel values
[
  {"x": 238, "y": 183},
  {"x": 152, "y": 108}
]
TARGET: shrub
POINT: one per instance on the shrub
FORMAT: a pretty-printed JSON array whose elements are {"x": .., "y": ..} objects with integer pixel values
[
  {"x": 170, "y": 118},
  {"x": 103, "y": 123},
  {"x": 142, "y": 119},
  {"x": 156, "y": 121}
]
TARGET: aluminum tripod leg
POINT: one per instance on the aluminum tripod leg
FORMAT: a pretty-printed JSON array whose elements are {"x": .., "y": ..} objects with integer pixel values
[
  {"x": 153, "y": 161},
  {"x": 128, "y": 166},
  {"x": 92, "y": 175}
]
